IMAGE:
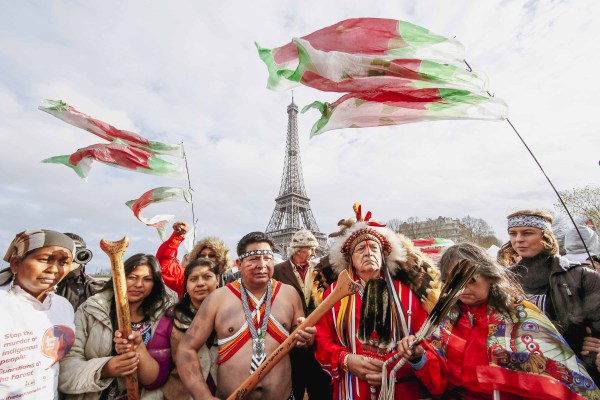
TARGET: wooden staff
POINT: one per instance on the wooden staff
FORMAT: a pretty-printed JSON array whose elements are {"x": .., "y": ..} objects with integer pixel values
[
  {"x": 115, "y": 251},
  {"x": 345, "y": 287}
]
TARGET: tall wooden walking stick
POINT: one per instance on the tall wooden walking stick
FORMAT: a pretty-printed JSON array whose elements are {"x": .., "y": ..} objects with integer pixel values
[
  {"x": 345, "y": 286},
  {"x": 115, "y": 251}
]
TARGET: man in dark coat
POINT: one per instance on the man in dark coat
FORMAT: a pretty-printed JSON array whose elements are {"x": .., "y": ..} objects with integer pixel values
[{"x": 299, "y": 272}]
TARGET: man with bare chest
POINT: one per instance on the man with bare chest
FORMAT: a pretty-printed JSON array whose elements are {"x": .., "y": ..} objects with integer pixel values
[{"x": 251, "y": 317}]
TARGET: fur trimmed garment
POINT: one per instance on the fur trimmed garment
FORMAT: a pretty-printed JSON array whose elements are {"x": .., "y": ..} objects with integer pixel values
[{"x": 173, "y": 271}]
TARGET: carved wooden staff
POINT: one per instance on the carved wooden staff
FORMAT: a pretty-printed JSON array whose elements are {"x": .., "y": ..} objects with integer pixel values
[
  {"x": 345, "y": 286},
  {"x": 115, "y": 251}
]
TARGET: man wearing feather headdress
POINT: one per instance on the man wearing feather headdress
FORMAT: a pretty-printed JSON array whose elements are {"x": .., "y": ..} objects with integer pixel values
[{"x": 361, "y": 331}]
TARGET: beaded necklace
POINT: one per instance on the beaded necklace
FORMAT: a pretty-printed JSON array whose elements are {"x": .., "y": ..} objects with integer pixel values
[{"x": 258, "y": 336}]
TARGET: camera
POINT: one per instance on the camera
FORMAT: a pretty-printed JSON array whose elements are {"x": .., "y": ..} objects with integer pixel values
[{"x": 82, "y": 255}]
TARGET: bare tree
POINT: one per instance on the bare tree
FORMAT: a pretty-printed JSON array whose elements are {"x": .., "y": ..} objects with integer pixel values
[
  {"x": 478, "y": 231},
  {"x": 584, "y": 202},
  {"x": 394, "y": 224},
  {"x": 410, "y": 228}
]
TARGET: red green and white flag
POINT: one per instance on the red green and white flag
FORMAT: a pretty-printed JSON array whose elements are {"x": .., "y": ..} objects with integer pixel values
[
  {"x": 70, "y": 115},
  {"x": 362, "y": 110},
  {"x": 337, "y": 71},
  {"x": 118, "y": 154},
  {"x": 375, "y": 36},
  {"x": 158, "y": 195}
]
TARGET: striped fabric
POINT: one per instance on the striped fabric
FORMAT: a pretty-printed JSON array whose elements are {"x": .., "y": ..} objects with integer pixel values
[
  {"x": 229, "y": 346},
  {"x": 33, "y": 239},
  {"x": 337, "y": 336}
]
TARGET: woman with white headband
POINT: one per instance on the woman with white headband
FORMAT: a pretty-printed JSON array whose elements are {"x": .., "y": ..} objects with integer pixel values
[
  {"x": 568, "y": 294},
  {"x": 36, "y": 325}
]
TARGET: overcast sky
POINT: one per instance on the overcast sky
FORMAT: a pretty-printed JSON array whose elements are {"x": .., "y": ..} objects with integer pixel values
[{"x": 189, "y": 70}]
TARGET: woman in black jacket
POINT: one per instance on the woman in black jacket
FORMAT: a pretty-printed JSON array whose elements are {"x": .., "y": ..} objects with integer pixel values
[{"x": 568, "y": 294}]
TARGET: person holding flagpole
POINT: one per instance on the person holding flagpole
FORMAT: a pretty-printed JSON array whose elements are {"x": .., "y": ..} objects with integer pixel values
[{"x": 173, "y": 271}]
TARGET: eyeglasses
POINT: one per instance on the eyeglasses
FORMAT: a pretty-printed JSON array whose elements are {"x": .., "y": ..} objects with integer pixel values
[{"x": 207, "y": 252}]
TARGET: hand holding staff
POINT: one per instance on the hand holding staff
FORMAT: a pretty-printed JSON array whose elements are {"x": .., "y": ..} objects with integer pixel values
[
  {"x": 115, "y": 251},
  {"x": 345, "y": 286},
  {"x": 458, "y": 278}
]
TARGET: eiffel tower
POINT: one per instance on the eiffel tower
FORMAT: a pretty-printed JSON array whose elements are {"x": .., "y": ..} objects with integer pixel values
[{"x": 292, "y": 208}]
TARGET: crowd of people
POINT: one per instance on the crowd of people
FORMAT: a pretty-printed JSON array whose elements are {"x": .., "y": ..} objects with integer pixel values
[{"x": 526, "y": 326}]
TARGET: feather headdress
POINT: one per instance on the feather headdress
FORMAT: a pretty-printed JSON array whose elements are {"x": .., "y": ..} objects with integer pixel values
[{"x": 405, "y": 263}]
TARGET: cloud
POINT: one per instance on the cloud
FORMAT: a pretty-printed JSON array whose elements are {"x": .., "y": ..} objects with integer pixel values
[{"x": 189, "y": 71}]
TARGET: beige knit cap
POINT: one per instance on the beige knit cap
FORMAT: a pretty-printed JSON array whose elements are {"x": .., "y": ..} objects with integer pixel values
[{"x": 304, "y": 238}]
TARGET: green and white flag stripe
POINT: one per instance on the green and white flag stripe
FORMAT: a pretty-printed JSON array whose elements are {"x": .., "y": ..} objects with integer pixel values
[
  {"x": 362, "y": 110},
  {"x": 158, "y": 195},
  {"x": 70, "y": 115},
  {"x": 370, "y": 36},
  {"x": 336, "y": 71}
]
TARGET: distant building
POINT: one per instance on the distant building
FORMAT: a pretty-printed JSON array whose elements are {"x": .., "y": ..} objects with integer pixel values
[{"x": 443, "y": 227}]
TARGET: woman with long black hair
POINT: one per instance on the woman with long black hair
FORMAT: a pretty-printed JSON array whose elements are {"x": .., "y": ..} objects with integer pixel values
[
  {"x": 99, "y": 359},
  {"x": 201, "y": 277},
  {"x": 494, "y": 344}
]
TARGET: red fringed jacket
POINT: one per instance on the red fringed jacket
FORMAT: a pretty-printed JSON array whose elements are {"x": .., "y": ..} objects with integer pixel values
[
  {"x": 521, "y": 356},
  {"x": 340, "y": 324}
]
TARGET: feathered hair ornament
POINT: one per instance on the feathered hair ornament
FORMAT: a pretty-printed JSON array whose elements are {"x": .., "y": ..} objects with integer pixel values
[
  {"x": 459, "y": 277},
  {"x": 382, "y": 315}
]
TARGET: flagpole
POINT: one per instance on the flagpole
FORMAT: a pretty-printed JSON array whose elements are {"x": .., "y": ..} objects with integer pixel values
[
  {"x": 543, "y": 172},
  {"x": 187, "y": 170}
]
